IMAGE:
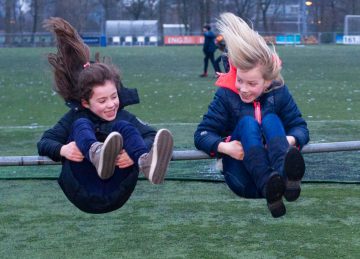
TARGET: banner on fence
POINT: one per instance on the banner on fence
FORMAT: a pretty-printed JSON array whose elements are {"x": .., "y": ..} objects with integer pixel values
[
  {"x": 352, "y": 39},
  {"x": 95, "y": 41},
  {"x": 183, "y": 40}
]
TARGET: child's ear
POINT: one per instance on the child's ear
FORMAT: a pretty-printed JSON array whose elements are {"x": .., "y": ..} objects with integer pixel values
[{"x": 85, "y": 104}]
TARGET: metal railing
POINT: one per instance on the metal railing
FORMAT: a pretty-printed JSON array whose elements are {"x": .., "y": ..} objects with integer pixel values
[{"x": 179, "y": 155}]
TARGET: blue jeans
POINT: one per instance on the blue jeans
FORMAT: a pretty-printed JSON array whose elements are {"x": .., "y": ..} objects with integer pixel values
[{"x": 248, "y": 177}]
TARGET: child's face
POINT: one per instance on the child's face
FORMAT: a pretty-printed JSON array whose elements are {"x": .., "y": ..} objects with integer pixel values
[
  {"x": 250, "y": 84},
  {"x": 104, "y": 101}
]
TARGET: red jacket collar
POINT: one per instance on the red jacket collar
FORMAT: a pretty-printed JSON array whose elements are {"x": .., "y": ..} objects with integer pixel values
[{"x": 228, "y": 80}]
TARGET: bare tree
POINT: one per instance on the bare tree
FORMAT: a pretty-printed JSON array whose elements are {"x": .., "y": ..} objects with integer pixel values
[
  {"x": 328, "y": 15},
  {"x": 243, "y": 7},
  {"x": 353, "y": 7},
  {"x": 110, "y": 12},
  {"x": 136, "y": 8},
  {"x": 76, "y": 12},
  {"x": 110, "y": 8},
  {"x": 183, "y": 11},
  {"x": 9, "y": 20},
  {"x": 205, "y": 12},
  {"x": 264, "y": 6},
  {"x": 37, "y": 13},
  {"x": 161, "y": 15},
  {"x": 85, "y": 15}
]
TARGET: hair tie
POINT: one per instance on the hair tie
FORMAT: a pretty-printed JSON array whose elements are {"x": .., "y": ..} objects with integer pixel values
[{"x": 86, "y": 65}]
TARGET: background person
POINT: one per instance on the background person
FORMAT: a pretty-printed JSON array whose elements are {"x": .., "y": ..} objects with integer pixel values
[
  {"x": 209, "y": 49},
  {"x": 223, "y": 57}
]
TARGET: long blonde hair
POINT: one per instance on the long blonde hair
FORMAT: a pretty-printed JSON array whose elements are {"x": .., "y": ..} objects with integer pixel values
[{"x": 247, "y": 49}]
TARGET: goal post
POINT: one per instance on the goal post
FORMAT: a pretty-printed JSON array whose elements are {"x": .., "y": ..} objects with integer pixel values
[
  {"x": 352, "y": 29},
  {"x": 352, "y": 25}
]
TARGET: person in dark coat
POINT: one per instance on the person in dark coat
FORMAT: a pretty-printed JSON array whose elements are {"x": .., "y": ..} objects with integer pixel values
[
  {"x": 253, "y": 122},
  {"x": 209, "y": 48},
  {"x": 223, "y": 57},
  {"x": 102, "y": 147}
]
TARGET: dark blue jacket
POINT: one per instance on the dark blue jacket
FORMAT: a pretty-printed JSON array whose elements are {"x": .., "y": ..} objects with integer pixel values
[
  {"x": 209, "y": 42},
  {"x": 53, "y": 139},
  {"x": 227, "y": 109}
]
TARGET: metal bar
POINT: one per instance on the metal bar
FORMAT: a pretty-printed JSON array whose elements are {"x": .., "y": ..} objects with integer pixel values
[{"x": 179, "y": 155}]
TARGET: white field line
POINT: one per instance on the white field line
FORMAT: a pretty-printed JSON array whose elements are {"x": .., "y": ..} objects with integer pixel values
[{"x": 168, "y": 124}]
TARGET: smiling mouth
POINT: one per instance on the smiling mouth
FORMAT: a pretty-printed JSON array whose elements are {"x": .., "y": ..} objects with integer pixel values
[{"x": 112, "y": 112}]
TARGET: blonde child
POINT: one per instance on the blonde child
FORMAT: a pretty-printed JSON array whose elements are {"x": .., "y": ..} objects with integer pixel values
[{"x": 253, "y": 123}]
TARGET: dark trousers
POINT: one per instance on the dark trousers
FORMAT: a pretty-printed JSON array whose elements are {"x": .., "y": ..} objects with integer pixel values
[
  {"x": 224, "y": 60},
  {"x": 248, "y": 177},
  {"x": 83, "y": 133},
  {"x": 209, "y": 56},
  {"x": 96, "y": 196},
  {"x": 217, "y": 64},
  {"x": 80, "y": 181}
]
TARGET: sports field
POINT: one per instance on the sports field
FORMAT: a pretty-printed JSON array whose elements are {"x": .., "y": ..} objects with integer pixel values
[{"x": 182, "y": 218}]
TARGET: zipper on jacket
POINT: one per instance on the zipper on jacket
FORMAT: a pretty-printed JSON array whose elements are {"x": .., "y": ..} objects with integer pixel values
[{"x": 257, "y": 108}]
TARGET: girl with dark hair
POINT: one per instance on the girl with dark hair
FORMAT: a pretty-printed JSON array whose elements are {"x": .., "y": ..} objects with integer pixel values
[{"x": 102, "y": 146}]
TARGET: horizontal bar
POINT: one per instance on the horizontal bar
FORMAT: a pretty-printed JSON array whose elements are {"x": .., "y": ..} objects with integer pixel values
[{"x": 179, "y": 155}]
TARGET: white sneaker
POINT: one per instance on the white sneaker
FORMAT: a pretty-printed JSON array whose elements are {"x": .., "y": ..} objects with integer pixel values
[
  {"x": 103, "y": 155},
  {"x": 155, "y": 163}
]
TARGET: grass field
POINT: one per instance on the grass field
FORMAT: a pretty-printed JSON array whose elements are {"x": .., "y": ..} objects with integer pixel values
[{"x": 182, "y": 219}]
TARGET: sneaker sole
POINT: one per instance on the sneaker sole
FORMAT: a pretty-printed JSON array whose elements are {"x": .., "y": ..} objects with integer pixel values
[
  {"x": 110, "y": 150},
  {"x": 162, "y": 147},
  {"x": 275, "y": 189},
  {"x": 294, "y": 167}
]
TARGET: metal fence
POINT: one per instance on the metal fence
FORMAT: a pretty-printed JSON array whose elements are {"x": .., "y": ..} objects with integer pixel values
[{"x": 96, "y": 39}]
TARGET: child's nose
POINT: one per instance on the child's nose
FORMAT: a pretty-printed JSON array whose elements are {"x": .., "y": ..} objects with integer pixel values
[
  {"x": 243, "y": 88},
  {"x": 110, "y": 103}
]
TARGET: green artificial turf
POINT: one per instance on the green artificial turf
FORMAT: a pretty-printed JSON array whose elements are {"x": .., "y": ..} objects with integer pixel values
[
  {"x": 179, "y": 220},
  {"x": 182, "y": 219}
]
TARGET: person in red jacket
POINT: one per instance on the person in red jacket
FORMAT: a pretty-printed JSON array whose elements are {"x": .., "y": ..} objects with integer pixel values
[
  {"x": 99, "y": 144},
  {"x": 253, "y": 123}
]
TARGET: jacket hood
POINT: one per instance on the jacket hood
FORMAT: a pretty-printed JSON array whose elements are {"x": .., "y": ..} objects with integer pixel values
[{"x": 228, "y": 80}]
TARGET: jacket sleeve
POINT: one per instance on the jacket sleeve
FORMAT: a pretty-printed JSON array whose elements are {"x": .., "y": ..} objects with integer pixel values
[
  {"x": 53, "y": 139},
  {"x": 292, "y": 119},
  {"x": 128, "y": 96},
  {"x": 147, "y": 132},
  {"x": 212, "y": 128}
]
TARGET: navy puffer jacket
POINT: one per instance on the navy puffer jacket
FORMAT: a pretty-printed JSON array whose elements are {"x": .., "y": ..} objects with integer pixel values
[
  {"x": 53, "y": 139},
  {"x": 227, "y": 109}
]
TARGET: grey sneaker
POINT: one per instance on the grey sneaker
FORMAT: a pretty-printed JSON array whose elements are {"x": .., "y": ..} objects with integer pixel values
[
  {"x": 103, "y": 155},
  {"x": 155, "y": 163}
]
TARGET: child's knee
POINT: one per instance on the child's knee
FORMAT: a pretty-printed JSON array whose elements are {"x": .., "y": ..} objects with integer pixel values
[
  {"x": 271, "y": 117},
  {"x": 82, "y": 121}
]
